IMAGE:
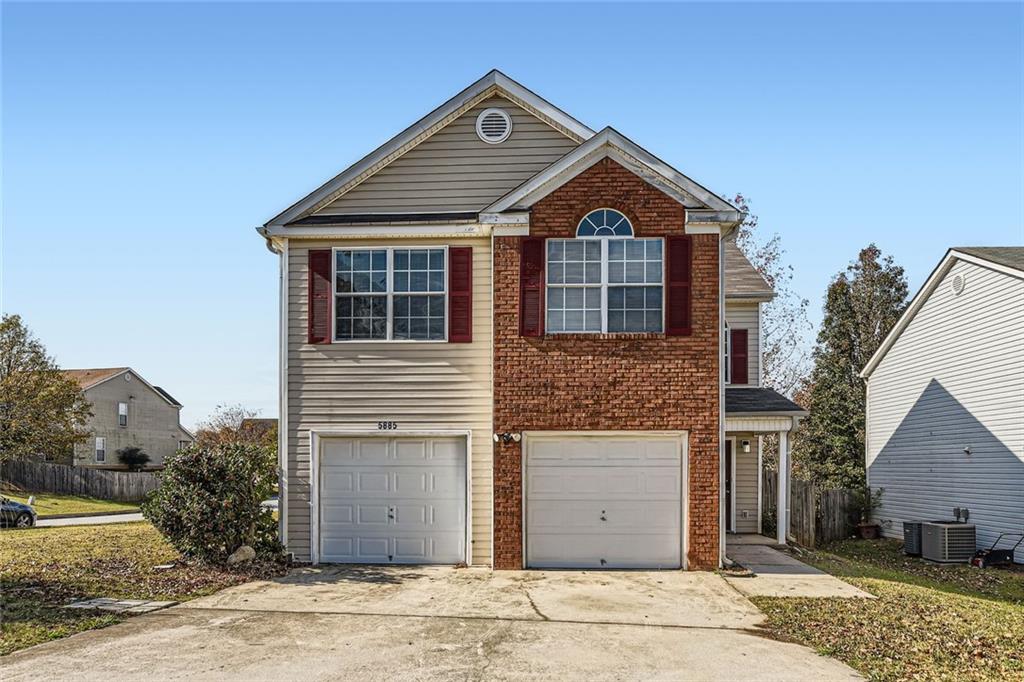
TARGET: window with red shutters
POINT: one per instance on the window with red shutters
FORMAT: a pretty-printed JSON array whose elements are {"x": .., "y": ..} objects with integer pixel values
[
  {"x": 531, "y": 286},
  {"x": 460, "y": 294},
  {"x": 680, "y": 282},
  {"x": 738, "y": 355},
  {"x": 319, "y": 305}
]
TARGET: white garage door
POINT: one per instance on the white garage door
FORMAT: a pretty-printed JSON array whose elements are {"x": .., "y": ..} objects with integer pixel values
[
  {"x": 604, "y": 502},
  {"x": 392, "y": 500}
]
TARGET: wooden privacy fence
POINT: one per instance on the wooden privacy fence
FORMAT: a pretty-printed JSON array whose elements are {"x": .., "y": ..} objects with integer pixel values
[
  {"x": 42, "y": 477},
  {"x": 815, "y": 516}
]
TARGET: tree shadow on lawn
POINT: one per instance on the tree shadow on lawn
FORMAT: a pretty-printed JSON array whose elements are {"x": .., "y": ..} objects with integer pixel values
[{"x": 885, "y": 560}]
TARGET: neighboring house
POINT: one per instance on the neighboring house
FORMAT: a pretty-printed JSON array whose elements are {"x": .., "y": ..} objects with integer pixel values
[
  {"x": 502, "y": 343},
  {"x": 126, "y": 410},
  {"x": 945, "y": 398}
]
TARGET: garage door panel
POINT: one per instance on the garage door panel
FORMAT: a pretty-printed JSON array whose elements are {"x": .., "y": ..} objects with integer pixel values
[
  {"x": 392, "y": 500},
  {"x": 604, "y": 502}
]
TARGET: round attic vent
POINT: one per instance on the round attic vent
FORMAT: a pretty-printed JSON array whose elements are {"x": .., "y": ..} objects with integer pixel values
[
  {"x": 493, "y": 126},
  {"x": 958, "y": 284}
]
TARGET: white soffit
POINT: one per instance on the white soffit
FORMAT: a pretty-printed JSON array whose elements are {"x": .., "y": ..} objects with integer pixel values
[{"x": 494, "y": 82}]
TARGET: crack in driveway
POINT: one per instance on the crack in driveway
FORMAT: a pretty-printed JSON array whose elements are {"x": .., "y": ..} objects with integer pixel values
[{"x": 533, "y": 604}]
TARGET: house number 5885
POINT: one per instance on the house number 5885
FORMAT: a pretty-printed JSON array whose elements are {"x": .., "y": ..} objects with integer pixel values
[{"x": 387, "y": 426}]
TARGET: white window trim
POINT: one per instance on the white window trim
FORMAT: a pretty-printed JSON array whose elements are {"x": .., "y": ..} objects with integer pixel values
[
  {"x": 390, "y": 294},
  {"x": 122, "y": 414},
  {"x": 97, "y": 449},
  {"x": 631, "y": 235},
  {"x": 604, "y": 285}
]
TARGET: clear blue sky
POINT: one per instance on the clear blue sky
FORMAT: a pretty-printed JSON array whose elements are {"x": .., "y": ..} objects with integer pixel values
[{"x": 143, "y": 143}]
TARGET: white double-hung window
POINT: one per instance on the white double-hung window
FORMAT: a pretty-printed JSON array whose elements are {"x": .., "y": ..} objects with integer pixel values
[
  {"x": 390, "y": 294},
  {"x": 604, "y": 280}
]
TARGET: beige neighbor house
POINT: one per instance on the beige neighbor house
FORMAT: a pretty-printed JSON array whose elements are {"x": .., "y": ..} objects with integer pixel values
[
  {"x": 508, "y": 339},
  {"x": 945, "y": 399},
  {"x": 127, "y": 411}
]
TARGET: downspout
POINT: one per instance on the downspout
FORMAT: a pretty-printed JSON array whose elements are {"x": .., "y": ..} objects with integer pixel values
[{"x": 281, "y": 250}]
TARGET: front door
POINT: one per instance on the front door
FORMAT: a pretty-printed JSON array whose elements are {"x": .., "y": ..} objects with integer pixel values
[{"x": 728, "y": 486}]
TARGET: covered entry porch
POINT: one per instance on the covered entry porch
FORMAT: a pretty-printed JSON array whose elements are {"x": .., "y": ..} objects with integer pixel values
[{"x": 752, "y": 416}]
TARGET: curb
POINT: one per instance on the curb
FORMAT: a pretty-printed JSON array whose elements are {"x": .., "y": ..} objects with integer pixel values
[{"x": 87, "y": 514}]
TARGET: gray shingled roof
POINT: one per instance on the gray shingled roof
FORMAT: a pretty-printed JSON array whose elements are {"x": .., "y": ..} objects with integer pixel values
[
  {"x": 1010, "y": 256},
  {"x": 741, "y": 279},
  {"x": 758, "y": 401}
]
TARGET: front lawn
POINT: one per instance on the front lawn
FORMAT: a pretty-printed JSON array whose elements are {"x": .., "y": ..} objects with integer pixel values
[
  {"x": 930, "y": 622},
  {"x": 44, "y": 568},
  {"x": 49, "y": 504}
]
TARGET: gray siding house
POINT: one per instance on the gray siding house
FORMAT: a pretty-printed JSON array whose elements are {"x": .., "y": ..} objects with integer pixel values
[
  {"x": 945, "y": 398},
  {"x": 127, "y": 410}
]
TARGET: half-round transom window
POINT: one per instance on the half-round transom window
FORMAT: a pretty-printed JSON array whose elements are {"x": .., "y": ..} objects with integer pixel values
[{"x": 604, "y": 222}]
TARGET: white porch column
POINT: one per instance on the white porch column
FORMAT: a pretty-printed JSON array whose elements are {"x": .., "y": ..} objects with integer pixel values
[{"x": 782, "y": 505}]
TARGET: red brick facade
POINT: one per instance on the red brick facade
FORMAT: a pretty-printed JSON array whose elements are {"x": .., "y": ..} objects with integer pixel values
[{"x": 590, "y": 382}]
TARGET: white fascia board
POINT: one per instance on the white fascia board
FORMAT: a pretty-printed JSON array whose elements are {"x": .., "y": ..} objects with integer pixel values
[
  {"x": 929, "y": 286},
  {"x": 375, "y": 231},
  {"x": 985, "y": 263},
  {"x": 610, "y": 143},
  {"x": 510, "y": 218},
  {"x": 424, "y": 128}
]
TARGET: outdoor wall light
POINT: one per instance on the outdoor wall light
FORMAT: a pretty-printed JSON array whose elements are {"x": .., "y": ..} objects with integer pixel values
[
  {"x": 507, "y": 437},
  {"x": 967, "y": 449},
  {"x": 745, "y": 444}
]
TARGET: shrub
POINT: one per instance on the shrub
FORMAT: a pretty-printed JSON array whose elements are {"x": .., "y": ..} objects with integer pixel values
[
  {"x": 208, "y": 502},
  {"x": 133, "y": 458}
]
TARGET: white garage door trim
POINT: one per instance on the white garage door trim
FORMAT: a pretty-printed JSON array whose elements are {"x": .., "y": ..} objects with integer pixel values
[
  {"x": 684, "y": 493},
  {"x": 315, "y": 436}
]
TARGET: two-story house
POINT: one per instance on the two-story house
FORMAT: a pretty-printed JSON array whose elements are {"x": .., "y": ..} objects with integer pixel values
[
  {"x": 509, "y": 339},
  {"x": 126, "y": 411}
]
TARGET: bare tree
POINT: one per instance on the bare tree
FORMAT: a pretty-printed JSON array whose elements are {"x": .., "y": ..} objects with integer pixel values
[
  {"x": 230, "y": 424},
  {"x": 785, "y": 327}
]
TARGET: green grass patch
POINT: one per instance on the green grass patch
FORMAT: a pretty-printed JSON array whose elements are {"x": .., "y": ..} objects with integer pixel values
[
  {"x": 929, "y": 622},
  {"x": 42, "y": 569},
  {"x": 50, "y": 504}
]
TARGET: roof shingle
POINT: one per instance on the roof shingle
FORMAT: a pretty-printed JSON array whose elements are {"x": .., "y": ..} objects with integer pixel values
[{"x": 1010, "y": 256}]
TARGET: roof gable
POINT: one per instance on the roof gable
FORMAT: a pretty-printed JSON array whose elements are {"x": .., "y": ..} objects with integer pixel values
[
  {"x": 91, "y": 378},
  {"x": 609, "y": 143},
  {"x": 494, "y": 83},
  {"x": 454, "y": 170},
  {"x": 967, "y": 254}
]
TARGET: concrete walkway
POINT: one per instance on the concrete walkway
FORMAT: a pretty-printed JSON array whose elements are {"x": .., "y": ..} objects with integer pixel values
[
  {"x": 777, "y": 574},
  {"x": 438, "y": 623},
  {"x": 89, "y": 520}
]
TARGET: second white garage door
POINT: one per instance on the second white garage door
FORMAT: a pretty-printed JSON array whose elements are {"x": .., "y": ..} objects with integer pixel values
[
  {"x": 604, "y": 501},
  {"x": 392, "y": 500}
]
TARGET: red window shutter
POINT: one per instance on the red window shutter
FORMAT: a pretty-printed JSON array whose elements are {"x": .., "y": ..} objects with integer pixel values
[
  {"x": 319, "y": 296},
  {"x": 460, "y": 294},
  {"x": 531, "y": 286},
  {"x": 738, "y": 356},
  {"x": 680, "y": 279}
]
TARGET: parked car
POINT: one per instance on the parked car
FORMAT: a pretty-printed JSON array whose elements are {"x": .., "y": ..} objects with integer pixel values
[{"x": 16, "y": 514}]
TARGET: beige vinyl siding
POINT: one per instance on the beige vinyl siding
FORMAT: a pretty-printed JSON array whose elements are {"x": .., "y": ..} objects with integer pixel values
[
  {"x": 419, "y": 385},
  {"x": 454, "y": 170},
  {"x": 745, "y": 316},
  {"x": 954, "y": 378},
  {"x": 745, "y": 486}
]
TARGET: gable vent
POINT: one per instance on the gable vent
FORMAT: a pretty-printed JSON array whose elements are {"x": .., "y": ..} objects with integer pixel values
[
  {"x": 493, "y": 126},
  {"x": 958, "y": 285}
]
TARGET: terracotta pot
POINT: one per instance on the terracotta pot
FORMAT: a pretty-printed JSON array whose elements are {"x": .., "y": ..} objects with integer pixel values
[{"x": 869, "y": 531}]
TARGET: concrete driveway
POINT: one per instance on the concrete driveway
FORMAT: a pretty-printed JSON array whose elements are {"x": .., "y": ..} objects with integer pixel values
[{"x": 441, "y": 623}]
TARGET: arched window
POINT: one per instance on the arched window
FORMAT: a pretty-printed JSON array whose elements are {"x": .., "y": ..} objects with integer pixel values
[
  {"x": 605, "y": 280},
  {"x": 604, "y": 222}
]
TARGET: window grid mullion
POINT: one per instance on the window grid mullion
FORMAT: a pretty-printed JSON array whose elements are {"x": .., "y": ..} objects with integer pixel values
[
  {"x": 389, "y": 288},
  {"x": 604, "y": 286}
]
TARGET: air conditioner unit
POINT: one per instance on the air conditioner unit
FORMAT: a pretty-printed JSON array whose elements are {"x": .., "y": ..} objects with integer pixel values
[
  {"x": 947, "y": 542},
  {"x": 912, "y": 538}
]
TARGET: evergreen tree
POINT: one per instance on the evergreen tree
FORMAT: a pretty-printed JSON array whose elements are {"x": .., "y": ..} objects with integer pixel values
[{"x": 861, "y": 306}]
